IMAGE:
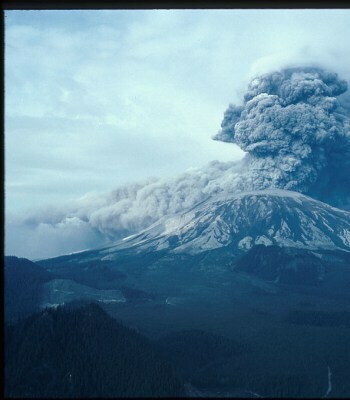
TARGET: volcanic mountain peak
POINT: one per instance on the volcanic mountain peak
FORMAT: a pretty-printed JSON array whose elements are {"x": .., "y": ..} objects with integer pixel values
[{"x": 270, "y": 217}]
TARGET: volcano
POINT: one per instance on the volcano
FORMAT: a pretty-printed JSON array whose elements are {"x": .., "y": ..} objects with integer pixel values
[{"x": 269, "y": 217}]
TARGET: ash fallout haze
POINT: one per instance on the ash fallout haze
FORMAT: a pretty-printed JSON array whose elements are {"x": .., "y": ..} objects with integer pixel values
[{"x": 110, "y": 115}]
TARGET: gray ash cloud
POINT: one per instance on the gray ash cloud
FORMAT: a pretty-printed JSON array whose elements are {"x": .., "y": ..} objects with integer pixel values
[
  {"x": 294, "y": 126},
  {"x": 296, "y": 133}
]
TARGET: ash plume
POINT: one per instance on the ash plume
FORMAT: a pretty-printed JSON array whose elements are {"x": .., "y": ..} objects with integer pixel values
[
  {"x": 294, "y": 126},
  {"x": 296, "y": 134},
  {"x": 98, "y": 219}
]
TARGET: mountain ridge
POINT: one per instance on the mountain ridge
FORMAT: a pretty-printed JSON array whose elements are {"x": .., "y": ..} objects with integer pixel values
[{"x": 270, "y": 217}]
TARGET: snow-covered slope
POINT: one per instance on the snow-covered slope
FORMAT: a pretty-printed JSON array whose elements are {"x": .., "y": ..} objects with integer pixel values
[{"x": 270, "y": 217}]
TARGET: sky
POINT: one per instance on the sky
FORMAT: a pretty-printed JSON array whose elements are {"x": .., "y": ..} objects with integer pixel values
[{"x": 99, "y": 99}]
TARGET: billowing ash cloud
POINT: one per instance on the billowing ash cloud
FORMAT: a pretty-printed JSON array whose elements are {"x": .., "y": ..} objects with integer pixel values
[
  {"x": 296, "y": 134},
  {"x": 294, "y": 126},
  {"x": 105, "y": 217}
]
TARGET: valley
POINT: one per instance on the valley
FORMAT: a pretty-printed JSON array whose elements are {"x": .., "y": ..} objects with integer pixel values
[
  {"x": 298, "y": 329},
  {"x": 276, "y": 317}
]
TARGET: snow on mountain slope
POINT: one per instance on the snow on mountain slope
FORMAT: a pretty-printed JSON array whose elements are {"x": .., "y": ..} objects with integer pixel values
[{"x": 270, "y": 217}]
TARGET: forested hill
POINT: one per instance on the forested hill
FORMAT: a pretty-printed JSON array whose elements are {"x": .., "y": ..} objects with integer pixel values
[
  {"x": 82, "y": 352},
  {"x": 23, "y": 286}
]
